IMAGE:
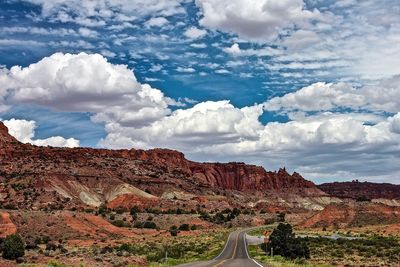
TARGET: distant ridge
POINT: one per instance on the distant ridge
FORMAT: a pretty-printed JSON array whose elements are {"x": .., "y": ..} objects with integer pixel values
[{"x": 357, "y": 189}]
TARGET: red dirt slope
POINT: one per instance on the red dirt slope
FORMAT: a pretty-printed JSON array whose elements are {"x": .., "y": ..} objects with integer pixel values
[{"x": 354, "y": 214}]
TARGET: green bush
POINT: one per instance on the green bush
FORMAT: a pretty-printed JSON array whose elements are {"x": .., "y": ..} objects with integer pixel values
[{"x": 13, "y": 247}]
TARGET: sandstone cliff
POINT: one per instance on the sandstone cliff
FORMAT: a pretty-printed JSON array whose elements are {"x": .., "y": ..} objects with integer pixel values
[{"x": 37, "y": 175}]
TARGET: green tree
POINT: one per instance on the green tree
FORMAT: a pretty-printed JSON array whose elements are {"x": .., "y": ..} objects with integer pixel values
[
  {"x": 283, "y": 242},
  {"x": 13, "y": 247}
]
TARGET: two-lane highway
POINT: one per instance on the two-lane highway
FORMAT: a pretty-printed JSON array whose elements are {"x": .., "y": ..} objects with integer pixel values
[{"x": 234, "y": 254}]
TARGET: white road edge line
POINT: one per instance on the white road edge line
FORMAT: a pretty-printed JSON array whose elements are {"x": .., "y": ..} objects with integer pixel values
[
  {"x": 226, "y": 244},
  {"x": 245, "y": 246}
]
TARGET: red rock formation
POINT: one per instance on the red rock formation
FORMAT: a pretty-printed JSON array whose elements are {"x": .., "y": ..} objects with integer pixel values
[
  {"x": 240, "y": 176},
  {"x": 357, "y": 189},
  {"x": 353, "y": 214},
  {"x": 86, "y": 174},
  {"x": 7, "y": 227}
]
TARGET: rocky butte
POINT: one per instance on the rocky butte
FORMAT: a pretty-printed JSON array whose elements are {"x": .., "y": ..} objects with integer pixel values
[{"x": 34, "y": 177}]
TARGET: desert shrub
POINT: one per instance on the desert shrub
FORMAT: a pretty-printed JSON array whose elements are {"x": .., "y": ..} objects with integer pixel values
[
  {"x": 9, "y": 206},
  {"x": 149, "y": 225},
  {"x": 219, "y": 218},
  {"x": 13, "y": 247},
  {"x": 125, "y": 247},
  {"x": 120, "y": 210},
  {"x": 102, "y": 209},
  {"x": 283, "y": 242},
  {"x": 184, "y": 227},
  {"x": 280, "y": 216},
  {"x": 363, "y": 199},
  {"x": 134, "y": 210},
  {"x": 120, "y": 223},
  {"x": 45, "y": 239},
  {"x": 138, "y": 225},
  {"x": 269, "y": 221},
  {"x": 173, "y": 230},
  {"x": 193, "y": 227},
  {"x": 205, "y": 216}
]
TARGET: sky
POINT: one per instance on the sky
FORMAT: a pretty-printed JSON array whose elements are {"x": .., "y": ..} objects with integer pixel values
[{"x": 310, "y": 85}]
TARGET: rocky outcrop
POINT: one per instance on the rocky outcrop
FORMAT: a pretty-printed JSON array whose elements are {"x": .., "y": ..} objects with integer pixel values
[
  {"x": 357, "y": 189},
  {"x": 7, "y": 227},
  {"x": 243, "y": 177},
  {"x": 353, "y": 214},
  {"x": 32, "y": 175}
]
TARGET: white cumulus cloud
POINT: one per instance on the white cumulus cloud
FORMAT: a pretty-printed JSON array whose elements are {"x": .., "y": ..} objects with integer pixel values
[
  {"x": 24, "y": 131},
  {"x": 384, "y": 96},
  {"x": 85, "y": 83},
  {"x": 259, "y": 21}
]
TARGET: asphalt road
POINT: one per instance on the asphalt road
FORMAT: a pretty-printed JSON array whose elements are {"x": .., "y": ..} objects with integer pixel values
[{"x": 234, "y": 254}]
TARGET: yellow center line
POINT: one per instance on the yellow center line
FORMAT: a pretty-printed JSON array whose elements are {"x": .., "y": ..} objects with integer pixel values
[
  {"x": 236, "y": 244},
  {"x": 233, "y": 255},
  {"x": 218, "y": 264}
]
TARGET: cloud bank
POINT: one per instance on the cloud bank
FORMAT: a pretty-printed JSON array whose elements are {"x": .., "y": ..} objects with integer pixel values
[{"x": 330, "y": 127}]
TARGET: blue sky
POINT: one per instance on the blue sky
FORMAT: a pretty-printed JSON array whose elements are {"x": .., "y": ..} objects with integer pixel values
[{"x": 310, "y": 85}]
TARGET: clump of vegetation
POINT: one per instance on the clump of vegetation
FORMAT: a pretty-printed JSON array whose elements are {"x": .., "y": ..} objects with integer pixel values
[
  {"x": 280, "y": 216},
  {"x": 283, "y": 242},
  {"x": 138, "y": 224},
  {"x": 174, "y": 230},
  {"x": 121, "y": 223},
  {"x": 149, "y": 225},
  {"x": 184, "y": 227},
  {"x": 376, "y": 248},
  {"x": 13, "y": 247},
  {"x": 225, "y": 216},
  {"x": 363, "y": 199}
]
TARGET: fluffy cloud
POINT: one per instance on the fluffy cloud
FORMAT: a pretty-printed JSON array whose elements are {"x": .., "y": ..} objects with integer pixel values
[
  {"x": 156, "y": 22},
  {"x": 384, "y": 96},
  {"x": 98, "y": 13},
  {"x": 85, "y": 83},
  {"x": 325, "y": 145},
  {"x": 194, "y": 33},
  {"x": 24, "y": 131},
  {"x": 204, "y": 124},
  {"x": 260, "y": 21}
]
